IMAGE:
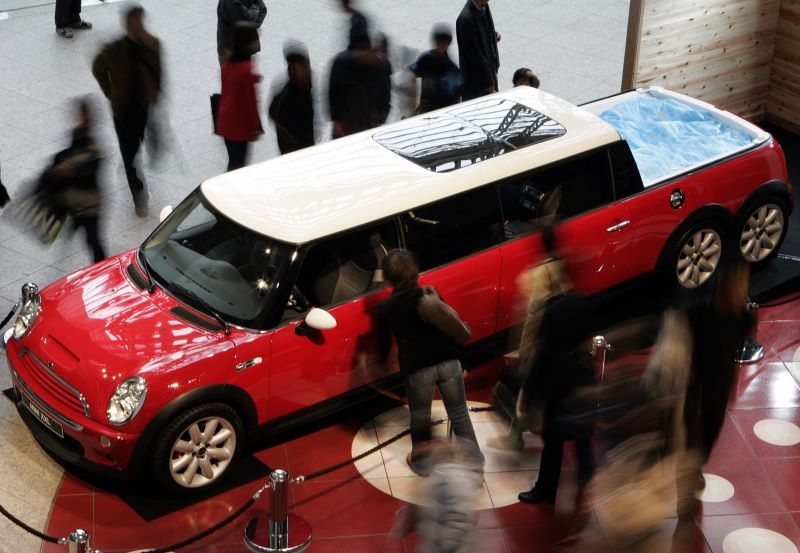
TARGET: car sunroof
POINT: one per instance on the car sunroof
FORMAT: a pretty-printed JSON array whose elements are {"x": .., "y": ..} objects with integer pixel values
[{"x": 465, "y": 135}]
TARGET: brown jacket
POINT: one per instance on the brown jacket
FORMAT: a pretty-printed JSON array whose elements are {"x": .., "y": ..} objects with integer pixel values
[{"x": 114, "y": 67}]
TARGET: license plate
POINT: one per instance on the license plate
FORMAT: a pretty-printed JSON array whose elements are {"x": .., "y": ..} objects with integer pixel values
[{"x": 53, "y": 425}]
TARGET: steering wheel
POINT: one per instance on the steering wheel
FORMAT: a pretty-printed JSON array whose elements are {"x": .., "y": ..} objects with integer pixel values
[{"x": 297, "y": 300}]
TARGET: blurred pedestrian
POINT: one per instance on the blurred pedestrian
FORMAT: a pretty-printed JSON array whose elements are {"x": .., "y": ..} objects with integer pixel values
[
  {"x": 68, "y": 18},
  {"x": 445, "y": 521},
  {"x": 428, "y": 355},
  {"x": 477, "y": 49},
  {"x": 72, "y": 182},
  {"x": 525, "y": 77},
  {"x": 561, "y": 364},
  {"x": 441, "y": 79},
  {"x": 544, "y": 281},
  {"x": 379, "y": 81},
  {"x": 231, "y": 11},
  {"x": 238, "y": 121},
  {"x": 292, "y": 109},
  {"x": 349, "y": 100},
  {"x": 719, "y": 329},
  {"x": 358, "y": 35},
  {"x": 128, "y": 71}
]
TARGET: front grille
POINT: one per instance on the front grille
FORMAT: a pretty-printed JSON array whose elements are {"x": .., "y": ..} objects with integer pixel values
[{"x": 40, "y": 372}]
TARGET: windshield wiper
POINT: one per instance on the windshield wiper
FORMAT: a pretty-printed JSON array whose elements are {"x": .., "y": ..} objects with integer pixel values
[
  {"x": 175, "y": 287},
  {"x": 151, "y": 286}
]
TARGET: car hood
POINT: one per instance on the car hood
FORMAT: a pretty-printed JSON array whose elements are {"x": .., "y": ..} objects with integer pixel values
[{"x": 97, "y": 328}]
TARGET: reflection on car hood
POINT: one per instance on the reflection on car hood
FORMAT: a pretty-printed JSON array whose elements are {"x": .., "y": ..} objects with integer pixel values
[{"x": 97, "y": 328}]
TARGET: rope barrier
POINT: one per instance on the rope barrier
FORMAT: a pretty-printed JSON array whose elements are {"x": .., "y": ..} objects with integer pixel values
[
  {"x": 249, "y": 503},
  {"x": 40, "y": 535}
]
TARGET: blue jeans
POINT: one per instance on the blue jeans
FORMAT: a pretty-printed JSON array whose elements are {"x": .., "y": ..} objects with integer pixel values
[{"x": 420, "y": 386}]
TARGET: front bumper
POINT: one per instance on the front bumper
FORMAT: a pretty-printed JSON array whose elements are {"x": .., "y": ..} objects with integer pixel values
[{"x": 76, "y": 439}]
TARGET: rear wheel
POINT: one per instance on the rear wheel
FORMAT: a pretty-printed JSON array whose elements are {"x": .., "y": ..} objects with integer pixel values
[
  {"x": 762, "y": 229},
  {"x": 697, "y": 255},
  {"x": 197, "y": 449}
]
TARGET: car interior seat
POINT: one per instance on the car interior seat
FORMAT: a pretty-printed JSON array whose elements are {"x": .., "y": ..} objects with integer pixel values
[{"x": 351, "y": 272}]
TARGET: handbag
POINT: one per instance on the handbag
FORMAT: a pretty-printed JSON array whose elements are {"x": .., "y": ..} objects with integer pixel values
[
  {"x": 434, "y": 311},
  {"x": 215, "y": 98}
]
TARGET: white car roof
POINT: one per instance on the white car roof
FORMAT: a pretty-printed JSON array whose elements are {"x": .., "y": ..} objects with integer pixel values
[{"x": 354, "y": 180}]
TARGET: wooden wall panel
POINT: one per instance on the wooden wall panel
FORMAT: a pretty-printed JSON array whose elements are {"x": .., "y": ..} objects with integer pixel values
[
  {"x": 717, "y": 50},
  {"x": 783, "y": 97}
]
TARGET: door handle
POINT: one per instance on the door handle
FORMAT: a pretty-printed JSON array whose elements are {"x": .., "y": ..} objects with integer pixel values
[{"x": 618, "y": 226}]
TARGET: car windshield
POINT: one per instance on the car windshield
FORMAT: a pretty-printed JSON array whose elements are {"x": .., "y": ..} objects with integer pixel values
[{"x": 215, "y": 264}]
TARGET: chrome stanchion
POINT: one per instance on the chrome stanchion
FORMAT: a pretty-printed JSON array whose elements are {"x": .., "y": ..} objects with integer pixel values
[
  {"x": 78, "y": 541},
  {"x": 599, "y": 343},
  {"x": 282, "y": 532}
]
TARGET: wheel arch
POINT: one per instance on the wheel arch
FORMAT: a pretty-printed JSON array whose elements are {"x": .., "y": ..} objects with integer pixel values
[
  {"x": 715, "y": 213},
  {"x": 233, "y": 396},
  {"x": 774, "y": 187}
]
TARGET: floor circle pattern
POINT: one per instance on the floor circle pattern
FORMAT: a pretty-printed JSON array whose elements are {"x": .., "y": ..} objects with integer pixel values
[
  {"x": 777, "y": 432},
  {"x": 506, "y": 473},
  {"x": 751, "y": 540},
  {"x": 717, "y": 489}
]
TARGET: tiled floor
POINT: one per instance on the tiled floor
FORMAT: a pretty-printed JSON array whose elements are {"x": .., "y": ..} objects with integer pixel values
[
  {"x": 750, "y": 482},
  {"x": 575, "y": 47}
]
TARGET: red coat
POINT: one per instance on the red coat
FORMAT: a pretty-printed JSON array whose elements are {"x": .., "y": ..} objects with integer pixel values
[{"x": 237, "y": 118}]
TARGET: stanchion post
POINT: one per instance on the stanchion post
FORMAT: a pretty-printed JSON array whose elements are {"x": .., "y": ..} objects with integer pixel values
[
  {"x": 283, "y": 532},
  {"x": 78, "y": 541}
]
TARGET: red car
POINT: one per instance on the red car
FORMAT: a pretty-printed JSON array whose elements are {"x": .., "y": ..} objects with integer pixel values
[{"x": 249, "y": 308}]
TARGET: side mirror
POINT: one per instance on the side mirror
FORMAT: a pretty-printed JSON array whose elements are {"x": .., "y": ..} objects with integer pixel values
[
  {"x": 319, "y": 319},
  {"x": 164, "y": 213}
]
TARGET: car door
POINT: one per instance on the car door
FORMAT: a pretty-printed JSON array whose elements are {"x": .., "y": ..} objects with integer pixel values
[
  {"x": 342, "y": 276},
  {"x": 456, "y": 242}
]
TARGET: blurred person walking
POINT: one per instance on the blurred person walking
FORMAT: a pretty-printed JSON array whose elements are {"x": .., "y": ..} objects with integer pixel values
[
  {"x": 538, "y": 285},
  {"x": 561, "y": 364},
  {"x": 231, "y": 11},
  {"x": 477, "y": 49},
  {"x": 292, "y": 108},
  {"x": 719, "y": 329},
  {"x": 128, "y": 71},
  {"x": 379, "y": 81},
  {"x": 68, "y": 18},
  {"x": 349, "y": 100},
  {"x": 238, "y": 121},
  {"x": 428, "y": 355},
  {"x": 71, "y": 181},
  {"x": 441, "y": 79},
  {"x": 358, "y": 33},
  {"x": 4, "y": 197}
]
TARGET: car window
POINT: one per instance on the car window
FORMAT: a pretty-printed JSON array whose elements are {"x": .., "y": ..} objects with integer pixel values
[
  {"x": 347, "y": 265},
  {"x": 450, "y": 229},
  {"x": 563, "y": 190}
]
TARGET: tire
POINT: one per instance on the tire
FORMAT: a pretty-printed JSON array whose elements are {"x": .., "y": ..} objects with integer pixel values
[
  {"x": 762, "y": 228},
  {"x": 697, "y": 254},
  {"x": 197, "y": 449}
]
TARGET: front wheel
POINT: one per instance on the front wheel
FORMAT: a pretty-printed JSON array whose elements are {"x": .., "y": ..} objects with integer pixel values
[
  {"x": 697, "y": 256},
  {"x": 196, "y": 450},
  {"x": 762, "y": 229}
]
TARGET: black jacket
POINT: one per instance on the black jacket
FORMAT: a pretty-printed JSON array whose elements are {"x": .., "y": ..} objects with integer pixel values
[
  {"x": 419, "y": 344},
  {"x": 477, "y": 50}
]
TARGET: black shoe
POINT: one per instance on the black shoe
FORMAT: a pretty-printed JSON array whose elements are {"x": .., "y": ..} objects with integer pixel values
[
  {"x": 81, "y": 24},
  {"x": 419, "y": 468},
  {"x": 534, "y": 496}
]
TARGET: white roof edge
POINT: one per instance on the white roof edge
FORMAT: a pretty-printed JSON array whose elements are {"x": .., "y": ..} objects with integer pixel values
[{"x": 344, "y": 183}]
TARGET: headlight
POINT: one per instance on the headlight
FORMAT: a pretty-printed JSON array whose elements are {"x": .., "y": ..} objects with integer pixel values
[
  {"x": 29, "y": 310},
  {"x": 127, "y": 400}
]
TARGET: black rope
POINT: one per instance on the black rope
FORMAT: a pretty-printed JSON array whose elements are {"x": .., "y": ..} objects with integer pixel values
[
  {"x": 208, "y": 531},
  {"x": 391, "y": 440},
  {"x": 27, "y": 528}
]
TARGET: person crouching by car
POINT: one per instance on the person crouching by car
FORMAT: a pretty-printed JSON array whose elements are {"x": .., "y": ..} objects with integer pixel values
[
  {"x": 238, "y": 121},
  {"x": 429, "y": 335},
  {"x": 71, "y": 181}
]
